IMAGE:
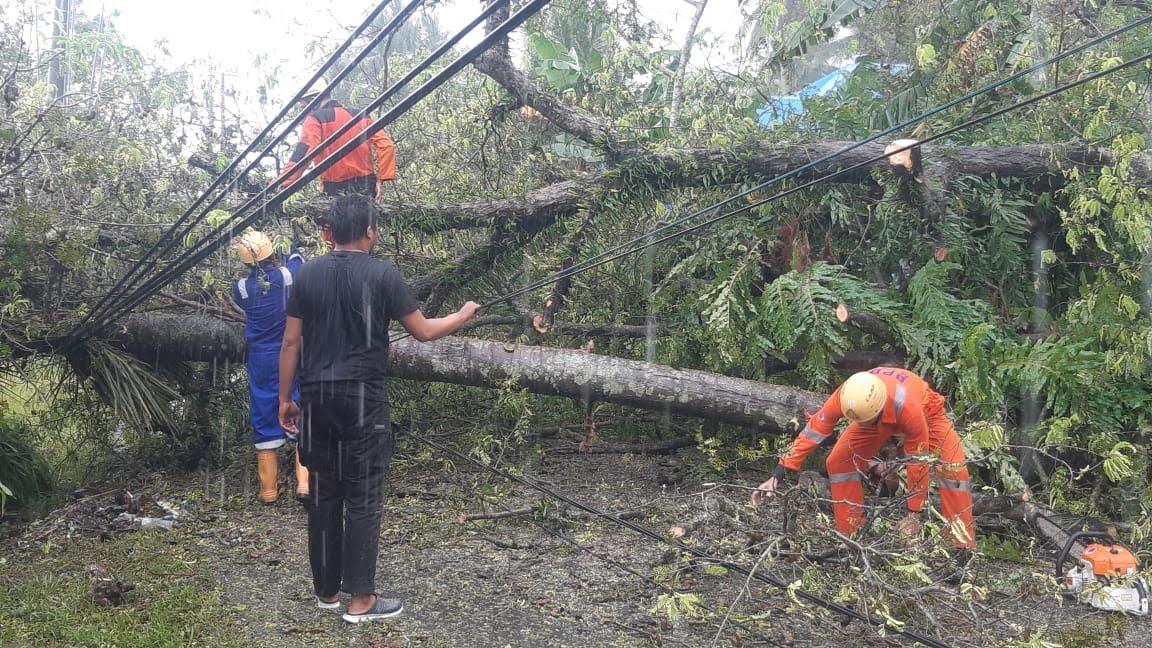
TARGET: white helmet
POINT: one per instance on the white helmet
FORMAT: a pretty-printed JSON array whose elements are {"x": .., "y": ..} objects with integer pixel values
[
  {"x": 253, "y": 246},
  {"x": 316, "y": 88},
  {"x": 862, "y": 397}
]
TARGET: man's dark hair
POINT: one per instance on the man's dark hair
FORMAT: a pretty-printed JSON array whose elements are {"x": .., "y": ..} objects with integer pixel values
[{"x": 351, "y": 217}]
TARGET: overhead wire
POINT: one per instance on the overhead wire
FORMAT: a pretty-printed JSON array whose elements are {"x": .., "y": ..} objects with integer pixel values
[
  {"x": 840, "y": 152},
  {"x": 651, "y": 238},
  {"x": 648, "y": 240},
  {"x": 244, "y": 216},
  {"x": 218, "y": 237},
  {"x": 595, "y": 261},
  {"x": 643, "y": 577},
  {"x": 229, "y": 177},
  {"x": 802, "y": 594}
]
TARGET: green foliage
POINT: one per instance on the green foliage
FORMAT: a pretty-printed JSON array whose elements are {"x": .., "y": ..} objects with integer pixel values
[
  {"x": 678, "y": 605},
  {"x": 562, "y": 68},
  {"x": 792, "y": 40},
  {"x": 25, "y": 476},
  {"x": 796, "y": 313},
  {"x": 939, "y": 320},
  {"x": 799, "y": 315}
]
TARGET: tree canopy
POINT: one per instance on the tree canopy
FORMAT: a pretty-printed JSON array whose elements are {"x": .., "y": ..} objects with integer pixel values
[{"x": 1013, "y": 272}]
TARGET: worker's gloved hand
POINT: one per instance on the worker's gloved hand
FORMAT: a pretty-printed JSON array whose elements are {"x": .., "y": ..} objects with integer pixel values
[{"x": 769, "y": 487}]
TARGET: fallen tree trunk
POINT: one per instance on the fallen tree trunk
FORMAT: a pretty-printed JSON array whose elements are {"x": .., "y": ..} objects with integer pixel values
[
  {"x": 538, "y": 208},
  {"x": 576, "y": 374},
  {"x": 160, "y": 338}
]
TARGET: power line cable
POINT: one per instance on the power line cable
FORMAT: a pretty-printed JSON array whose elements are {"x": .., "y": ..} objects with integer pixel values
[
  {"x": 831, "y": 156},
  {"x": 642, "y": 244},
  {"x": 169, "y": 237},
  {"x": 651, "y": 534},
  {"x": 206, "y": 245},
  {"x": 217, "y": 238},
  {"x": 650, "y": 239},
  {"x": 625, "y": 568},
  {"x": 392, "y": 25},
  {"x": 589, "y": 263}
]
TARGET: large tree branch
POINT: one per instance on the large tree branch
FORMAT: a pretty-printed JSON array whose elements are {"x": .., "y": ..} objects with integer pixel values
[
  {"x": 686, "y": 168},
  {"x": 497, "y": 64}
]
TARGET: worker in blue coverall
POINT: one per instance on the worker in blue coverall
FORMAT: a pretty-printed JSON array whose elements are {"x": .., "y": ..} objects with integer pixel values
[{"x": 262, "y": 295}]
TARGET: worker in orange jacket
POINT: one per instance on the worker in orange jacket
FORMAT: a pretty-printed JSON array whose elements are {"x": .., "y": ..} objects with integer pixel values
[
  {"x": 353, "y": 173},
  {"x": 882, "y": 403}
]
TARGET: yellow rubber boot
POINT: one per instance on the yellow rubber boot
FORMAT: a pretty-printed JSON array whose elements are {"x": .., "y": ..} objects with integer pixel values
[
  {"x": 267, "y": 467},
  {"x": 301, "y": 479}
]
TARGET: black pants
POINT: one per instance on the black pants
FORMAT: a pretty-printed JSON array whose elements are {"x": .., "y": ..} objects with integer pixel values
[
  {"x": 346, "y": 442},
  {"x": 364, "y": 185}
]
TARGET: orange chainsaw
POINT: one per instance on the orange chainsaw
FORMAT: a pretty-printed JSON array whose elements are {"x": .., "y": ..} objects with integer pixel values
[{"x": 1105, "y": 576}]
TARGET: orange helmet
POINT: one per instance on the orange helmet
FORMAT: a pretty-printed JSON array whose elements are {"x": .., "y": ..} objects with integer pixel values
[
  {"x": 862, "y": 397},
  {"x": 253, "y": 246}
]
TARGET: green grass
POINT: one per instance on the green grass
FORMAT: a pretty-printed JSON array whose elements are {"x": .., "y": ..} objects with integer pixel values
[
  {"x": 31, "y": 402},
  {"x": 44, "y": 600}
]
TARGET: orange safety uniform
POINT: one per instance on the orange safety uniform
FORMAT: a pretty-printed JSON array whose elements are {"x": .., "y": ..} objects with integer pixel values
[
  {"x": 914, "y": 410},
  {"x": 326, "y": 119}
]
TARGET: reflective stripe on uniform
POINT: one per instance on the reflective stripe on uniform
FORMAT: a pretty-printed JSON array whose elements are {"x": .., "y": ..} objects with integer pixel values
[
  {"x": 242, "y": 288},
  {"x": 840, "y": 478},
  {"x": 287, "y": 275},
  {"x": 899, "y": 398},
  {"x": 813, "y": 434},
  {"x": 956, "y": 485}
]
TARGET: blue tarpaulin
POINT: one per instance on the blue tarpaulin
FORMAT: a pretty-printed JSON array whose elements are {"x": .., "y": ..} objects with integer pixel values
[{"x": 778, "y": 109}]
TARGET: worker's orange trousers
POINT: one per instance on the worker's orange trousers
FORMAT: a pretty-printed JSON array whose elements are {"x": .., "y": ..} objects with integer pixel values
[{"x": 848, "y": 462}]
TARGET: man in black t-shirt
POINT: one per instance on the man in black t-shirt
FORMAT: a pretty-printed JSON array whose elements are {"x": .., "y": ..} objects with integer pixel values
[{"x": 336, "y": 335}]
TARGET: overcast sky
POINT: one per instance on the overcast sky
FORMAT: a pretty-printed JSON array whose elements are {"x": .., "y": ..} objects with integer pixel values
[{"x": 232, "y": 32}]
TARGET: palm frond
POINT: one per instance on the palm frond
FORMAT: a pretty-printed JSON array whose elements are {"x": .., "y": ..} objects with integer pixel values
[{"x": 133, "y": 390}]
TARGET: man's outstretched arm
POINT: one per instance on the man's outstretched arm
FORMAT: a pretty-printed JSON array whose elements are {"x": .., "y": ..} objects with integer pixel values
[{"x": 426, "y": 330}]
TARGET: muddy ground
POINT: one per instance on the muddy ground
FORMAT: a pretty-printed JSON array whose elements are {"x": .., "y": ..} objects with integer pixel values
[{"x": 559, "y": 577}]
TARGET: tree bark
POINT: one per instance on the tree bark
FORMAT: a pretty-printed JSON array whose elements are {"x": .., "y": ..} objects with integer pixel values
[
  {"x": 497, "y": 64},
  {"x": 558, "y": 372},
  {"x": 571, "y": 328},
  {"x": 695, "y": 167},
  {"x": 157, "y": 338}
]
